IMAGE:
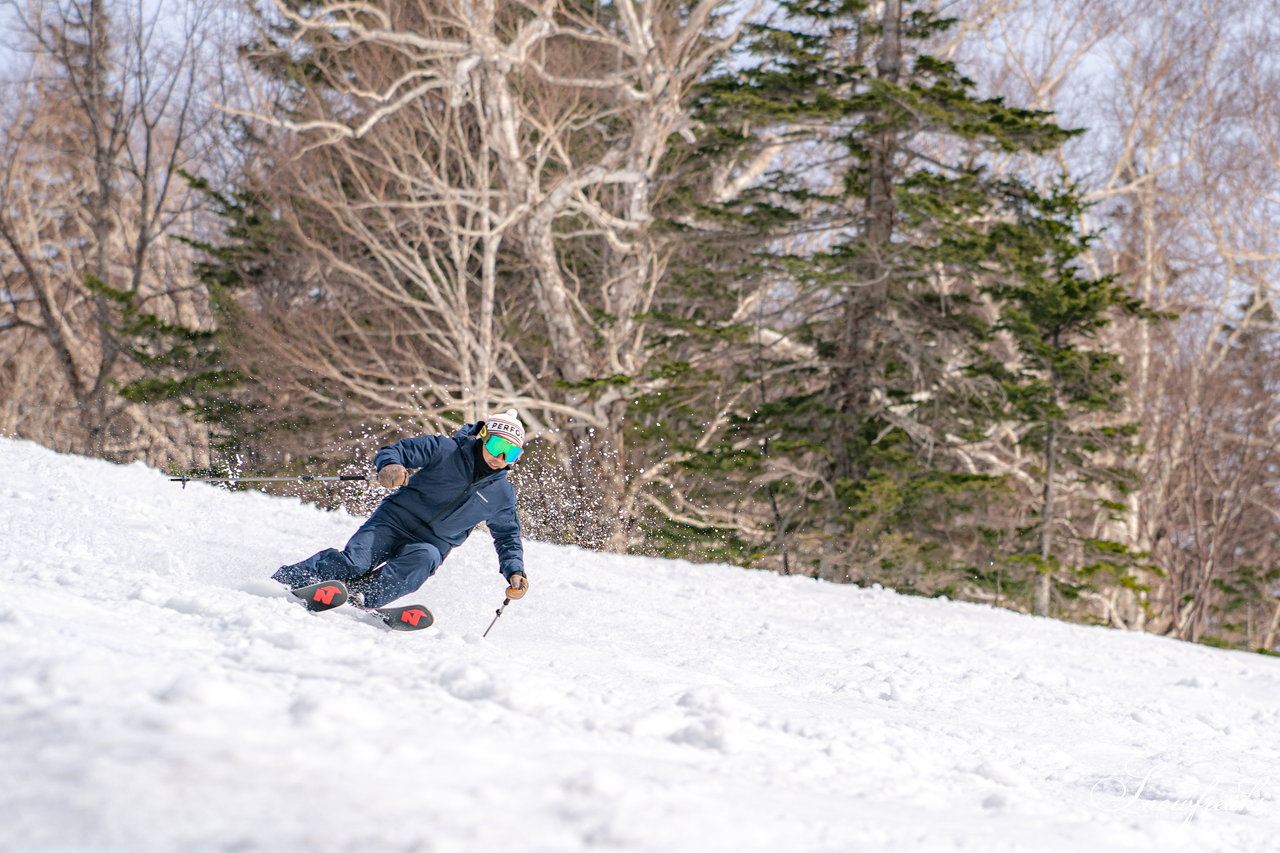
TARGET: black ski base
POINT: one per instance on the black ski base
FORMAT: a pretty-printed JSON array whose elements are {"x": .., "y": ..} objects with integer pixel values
[
  {"x": 409, "y": 617},
  {"x": 322, "y": 596},
  {"x": 326, "y": 595}
]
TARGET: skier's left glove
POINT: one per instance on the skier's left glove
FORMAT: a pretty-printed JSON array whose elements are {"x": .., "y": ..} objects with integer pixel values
[
  {"x": 517, "y": 586},
  {"x": 393, "y": 476}
]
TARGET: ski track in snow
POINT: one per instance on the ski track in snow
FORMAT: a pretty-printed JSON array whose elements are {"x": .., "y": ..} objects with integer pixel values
[{"x": 159, "y": 693}]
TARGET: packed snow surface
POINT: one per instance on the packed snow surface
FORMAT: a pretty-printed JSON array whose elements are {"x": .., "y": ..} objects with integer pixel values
[{"x": 158, "y": 693}]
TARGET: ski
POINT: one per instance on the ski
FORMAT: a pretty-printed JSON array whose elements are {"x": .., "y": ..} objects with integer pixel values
[
  {"x": 409, "y": 617},
  {"x": 325, "y": 595}
]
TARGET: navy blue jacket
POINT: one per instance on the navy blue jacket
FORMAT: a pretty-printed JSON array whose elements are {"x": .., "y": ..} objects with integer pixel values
[{"x": 452, "y": 491}]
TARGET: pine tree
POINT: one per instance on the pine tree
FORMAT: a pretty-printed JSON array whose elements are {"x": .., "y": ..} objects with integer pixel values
[
  {"x": 194, "y": 367},
  {"x": 854, "y": 170},
  {"x": 1064, "y": 395}
]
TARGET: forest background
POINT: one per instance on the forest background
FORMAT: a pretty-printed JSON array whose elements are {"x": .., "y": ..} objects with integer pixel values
[{"x": 969, "y": 298}]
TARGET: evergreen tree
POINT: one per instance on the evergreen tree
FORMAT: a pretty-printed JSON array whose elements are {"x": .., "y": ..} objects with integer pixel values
[
  {"x": 852, "y": 175},
  {"x": 1064, "y": 396},
  {"x": 197, "y": 367}
]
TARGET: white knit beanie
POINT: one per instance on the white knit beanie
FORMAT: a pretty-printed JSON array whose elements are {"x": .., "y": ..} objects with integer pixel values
[{"x": 506, "y": 424}]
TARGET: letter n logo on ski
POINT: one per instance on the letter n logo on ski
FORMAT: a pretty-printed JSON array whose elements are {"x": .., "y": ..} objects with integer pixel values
[
  {"x": 325, "y": 594},
  {"x": 413, "y": 617}
]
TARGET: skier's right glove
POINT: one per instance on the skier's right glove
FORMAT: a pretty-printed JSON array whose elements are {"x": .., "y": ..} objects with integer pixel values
[
  {"x": 517, "y": 586},
  {"x": 393, "y": 476}
]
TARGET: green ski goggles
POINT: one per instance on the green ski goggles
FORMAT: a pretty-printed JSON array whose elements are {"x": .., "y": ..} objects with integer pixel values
[{"x": 500, "y": 447}]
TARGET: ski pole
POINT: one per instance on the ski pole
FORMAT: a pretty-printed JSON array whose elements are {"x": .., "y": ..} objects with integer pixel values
[
  {"x": 306, "y": 478},
  {"x": 505, "y": 602}
]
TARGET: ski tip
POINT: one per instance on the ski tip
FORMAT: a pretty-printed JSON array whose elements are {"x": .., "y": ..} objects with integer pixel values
[
  {"x": 321, "y": 596},
  {"x": 411, "y": 617}
]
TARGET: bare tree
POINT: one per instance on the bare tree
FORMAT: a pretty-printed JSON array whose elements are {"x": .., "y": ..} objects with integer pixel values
[
  {"x": 478, "y": 183},
  {"x": 1179, "y": 158},
  {"x": 97, "y": 129}
]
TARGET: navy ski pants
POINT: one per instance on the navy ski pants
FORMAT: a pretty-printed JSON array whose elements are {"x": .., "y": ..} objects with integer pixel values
[{"x": 407, "y": 563}]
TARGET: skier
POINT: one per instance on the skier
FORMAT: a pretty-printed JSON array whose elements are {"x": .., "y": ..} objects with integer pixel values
[{"x": 461, "y": 481}]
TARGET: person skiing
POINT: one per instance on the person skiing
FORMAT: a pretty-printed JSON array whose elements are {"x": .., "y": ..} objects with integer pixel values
[{"x": 461, "y": 481}]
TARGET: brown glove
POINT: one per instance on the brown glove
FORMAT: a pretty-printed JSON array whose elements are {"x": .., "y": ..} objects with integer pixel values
[
  {"x": 517, "y": 586},
  {"x": 393, "y": 476}
]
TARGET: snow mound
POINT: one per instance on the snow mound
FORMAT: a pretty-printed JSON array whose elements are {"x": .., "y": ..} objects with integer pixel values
[{"x": 158, "y": 693}]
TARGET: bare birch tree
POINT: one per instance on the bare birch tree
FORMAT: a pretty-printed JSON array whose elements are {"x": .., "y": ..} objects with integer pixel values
[
  {"x": 488, "y": 178},
  {"x": 1179, "y": 158}
]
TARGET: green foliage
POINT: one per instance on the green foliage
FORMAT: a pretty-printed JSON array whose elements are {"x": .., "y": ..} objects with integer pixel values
[
  {"x": 594, "y": 385},
  {"x": 192, "y": 366},
  {"x": 182, "y": 364},
  {"x": 1246, "y": 604},
  {"x": 855, "y": 461},
  {"x": 1055, "y": 386},
  {"x": 839, "y": 348}
]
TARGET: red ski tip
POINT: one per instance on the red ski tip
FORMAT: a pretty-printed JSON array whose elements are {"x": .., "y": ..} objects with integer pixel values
[
  {"x": 413, "y": 617},
  {"x": 325, "y": 594}
]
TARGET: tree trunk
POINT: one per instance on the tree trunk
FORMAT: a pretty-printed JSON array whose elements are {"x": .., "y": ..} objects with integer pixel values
[
  {"x": 868, "y": 295},
  {"x": 1270, "y": 638},
  {"x": 103, "y": 126},
  {"x": 1044, "y": 581}
]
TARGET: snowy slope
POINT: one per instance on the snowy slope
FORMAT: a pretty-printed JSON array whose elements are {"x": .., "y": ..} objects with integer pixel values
[{"x": 157, "y": 694}]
